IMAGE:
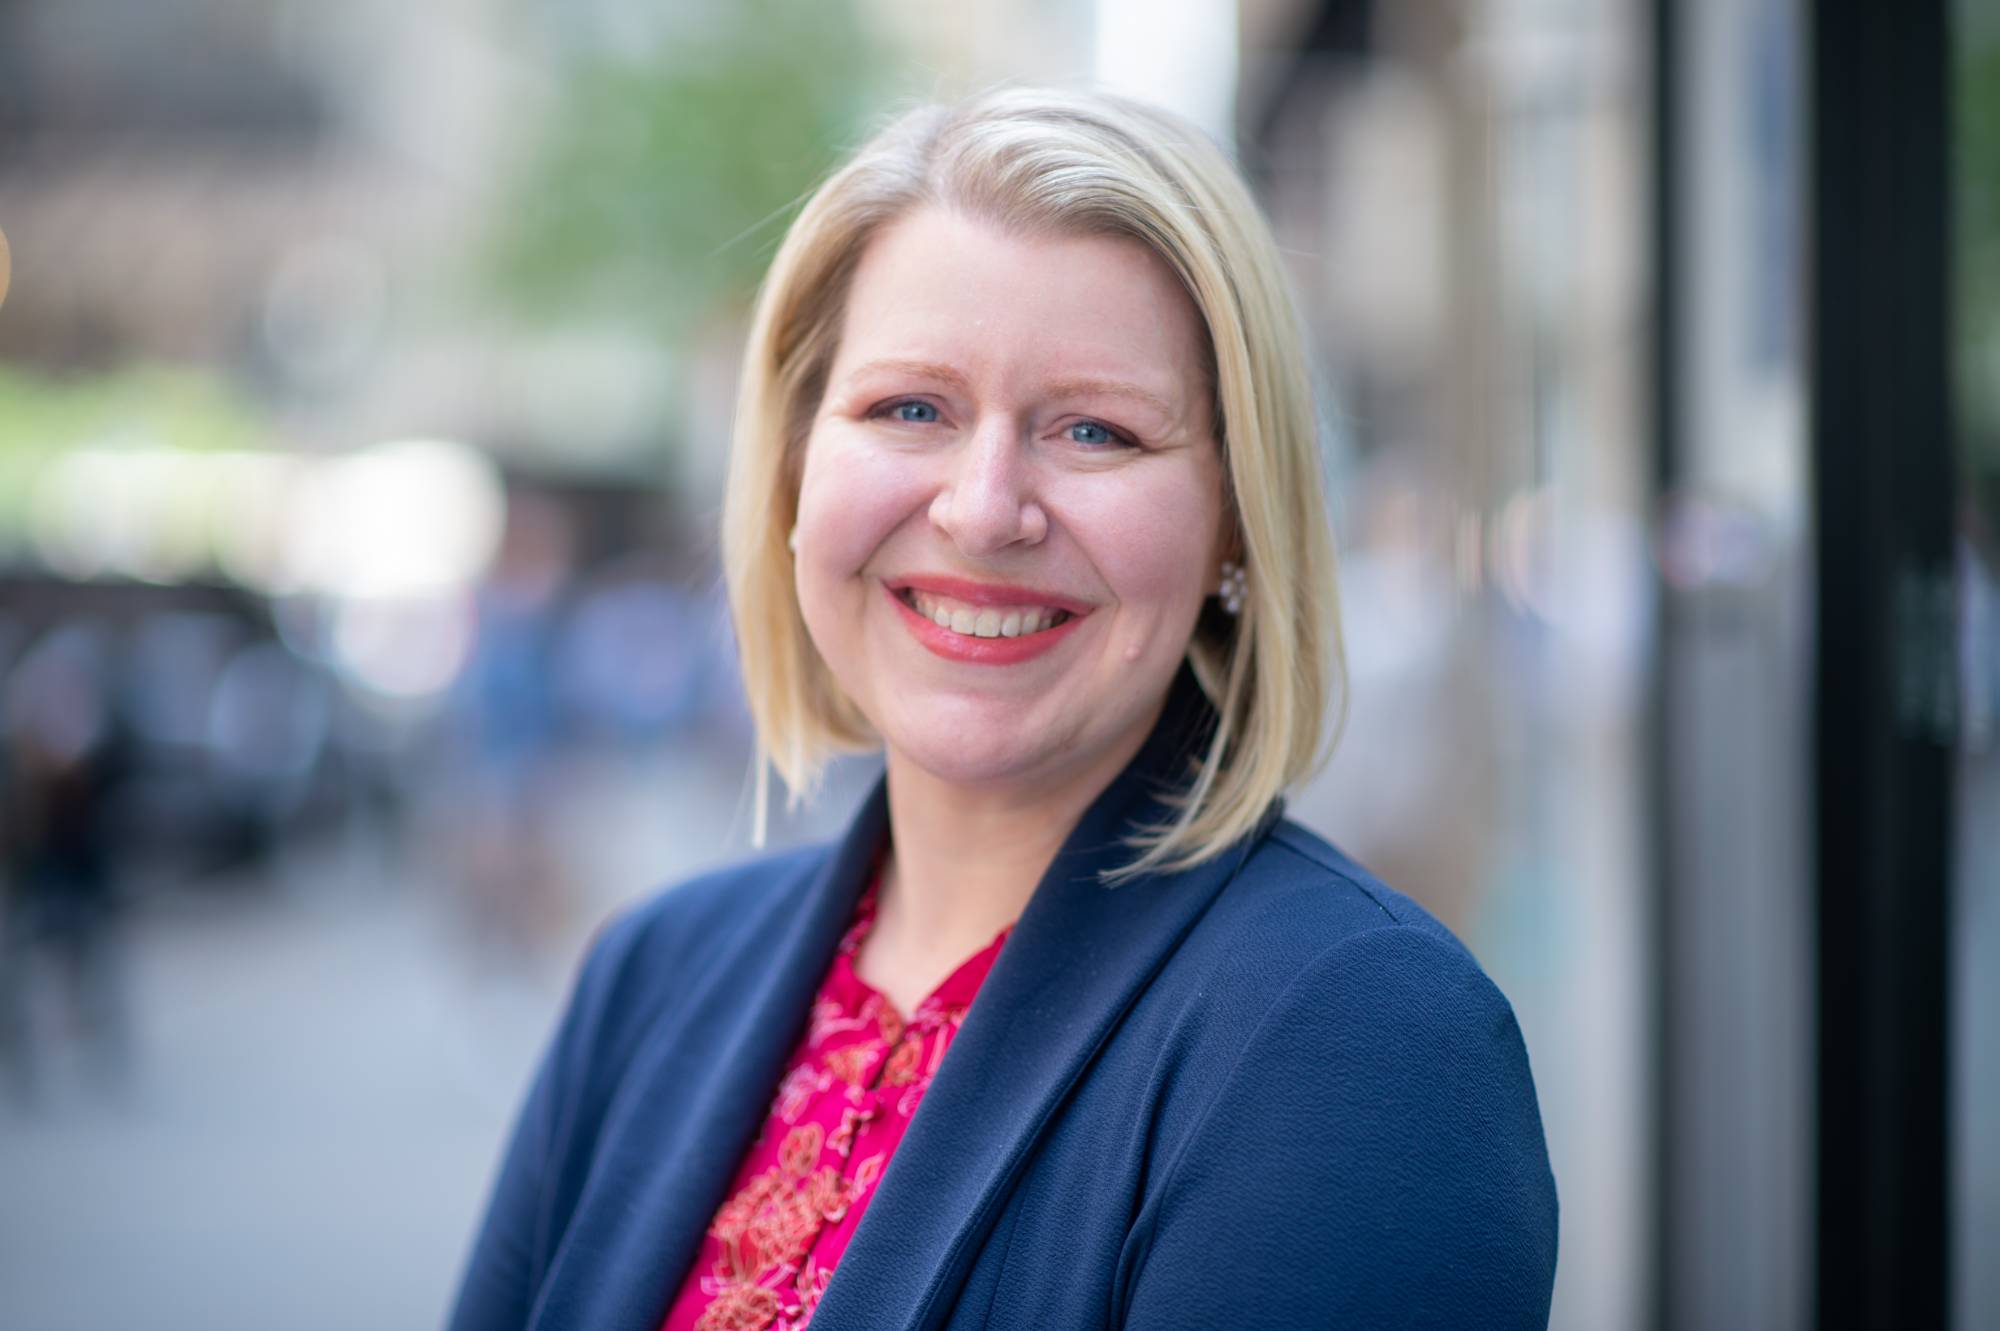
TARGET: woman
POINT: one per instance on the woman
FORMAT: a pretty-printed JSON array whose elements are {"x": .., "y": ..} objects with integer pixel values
[{"x": 1024, "y": 492}]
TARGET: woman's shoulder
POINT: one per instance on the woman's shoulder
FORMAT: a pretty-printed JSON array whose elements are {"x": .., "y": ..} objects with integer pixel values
[
  {"x": 1300, "y": 898},
  {"x": 1333, "y": 974},
  {"x": 647, "y": 951},
  {"x": 1362, "y": 1086},
  {"x": 712, "y": 900}
]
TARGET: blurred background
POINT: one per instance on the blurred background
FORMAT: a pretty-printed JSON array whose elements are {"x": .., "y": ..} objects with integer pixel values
[{"x": 365, "y": 380}]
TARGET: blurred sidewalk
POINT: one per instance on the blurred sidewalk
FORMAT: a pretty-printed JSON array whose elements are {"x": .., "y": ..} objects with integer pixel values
[
  {"x": 323, "y": 1076},
  {"x": 318, "y": 1093}
]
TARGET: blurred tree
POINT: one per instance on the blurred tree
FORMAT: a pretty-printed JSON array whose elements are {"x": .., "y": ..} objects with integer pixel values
[
  {"x": 43, "y": 416},
  {"x": 678, "y": 146}
]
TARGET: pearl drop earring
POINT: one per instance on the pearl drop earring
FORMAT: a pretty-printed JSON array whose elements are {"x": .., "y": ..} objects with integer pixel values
[{"x": 1235, "y": 586}]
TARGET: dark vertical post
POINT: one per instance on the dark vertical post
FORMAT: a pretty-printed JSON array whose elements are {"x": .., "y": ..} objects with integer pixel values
[
  {"x": 1664, "y": 372},
  {"x": 1884, "y": 466}
]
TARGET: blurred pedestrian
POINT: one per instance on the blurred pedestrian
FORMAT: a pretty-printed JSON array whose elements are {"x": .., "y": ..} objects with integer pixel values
[
  {"x": 508, "y": 879},
  {"x": 64, "y": 759}
]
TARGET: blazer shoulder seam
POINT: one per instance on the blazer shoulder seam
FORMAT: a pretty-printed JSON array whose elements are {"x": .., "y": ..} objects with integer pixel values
[
  {"x": 1445, "y": 953},
  {"x": 1285, "y": 838}
]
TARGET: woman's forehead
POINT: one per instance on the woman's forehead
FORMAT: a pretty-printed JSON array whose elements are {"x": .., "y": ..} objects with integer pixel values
[{"x": 941, "y": 292}]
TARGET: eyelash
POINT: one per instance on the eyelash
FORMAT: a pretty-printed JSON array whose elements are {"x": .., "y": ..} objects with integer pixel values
[{"x": 1117, "y": 438}]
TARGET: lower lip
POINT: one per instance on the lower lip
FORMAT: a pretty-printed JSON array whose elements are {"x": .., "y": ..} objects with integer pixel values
[{"x": 980, "y": 651}]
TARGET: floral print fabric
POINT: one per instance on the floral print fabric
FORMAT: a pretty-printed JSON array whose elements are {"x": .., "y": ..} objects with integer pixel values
[{"x": 842, "y": 1105}]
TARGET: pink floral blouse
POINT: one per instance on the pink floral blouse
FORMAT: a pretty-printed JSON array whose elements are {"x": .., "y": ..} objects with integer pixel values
[{"x": 843, "y": 1104}]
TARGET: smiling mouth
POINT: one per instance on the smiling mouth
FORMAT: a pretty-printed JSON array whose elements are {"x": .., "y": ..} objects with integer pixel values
[{"x": 983, "y": 621}]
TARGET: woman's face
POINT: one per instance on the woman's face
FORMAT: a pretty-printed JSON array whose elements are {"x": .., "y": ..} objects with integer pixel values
[{"x": 1011, "y": 504}]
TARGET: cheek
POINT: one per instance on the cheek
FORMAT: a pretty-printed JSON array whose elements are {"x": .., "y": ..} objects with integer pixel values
[
  {"x": 850, "y": 501},
  {"x": 1152, "y": 545}
]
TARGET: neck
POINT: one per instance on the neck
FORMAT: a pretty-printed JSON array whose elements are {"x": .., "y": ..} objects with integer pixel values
[{"x": 965, "y": 860}]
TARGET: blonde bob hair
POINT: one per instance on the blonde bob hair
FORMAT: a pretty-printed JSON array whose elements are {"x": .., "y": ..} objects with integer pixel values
[{"x": 1076, "y": 163}]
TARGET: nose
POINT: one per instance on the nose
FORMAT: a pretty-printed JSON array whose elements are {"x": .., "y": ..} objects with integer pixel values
[{"x": 988, "y": 501}]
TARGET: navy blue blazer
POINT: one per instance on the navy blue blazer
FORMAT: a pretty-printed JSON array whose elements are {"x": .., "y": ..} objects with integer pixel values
[{"x": 1265, "y": 1092}]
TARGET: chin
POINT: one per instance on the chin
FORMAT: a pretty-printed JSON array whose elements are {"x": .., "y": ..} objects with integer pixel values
[{"x": 973, "y": 746}]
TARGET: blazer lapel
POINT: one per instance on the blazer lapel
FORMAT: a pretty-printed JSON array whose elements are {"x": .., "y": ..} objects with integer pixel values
[
  {"x": 1080, "y": 955},
  {"x": 696, "y": 1093}
]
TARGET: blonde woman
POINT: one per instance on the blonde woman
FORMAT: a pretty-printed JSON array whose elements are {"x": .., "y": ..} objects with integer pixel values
[{"x": 1071, "y": 1028}]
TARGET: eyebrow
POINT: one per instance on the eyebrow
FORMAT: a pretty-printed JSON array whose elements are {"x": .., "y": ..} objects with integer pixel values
[
  {"x": 1082, "y": 387},
  {"x": 923, "y": 369}
]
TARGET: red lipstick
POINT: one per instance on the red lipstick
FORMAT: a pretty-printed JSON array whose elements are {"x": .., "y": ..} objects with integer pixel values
[
  {"x": 983, "y": 651},
  {"x": 987, "y": 593}
]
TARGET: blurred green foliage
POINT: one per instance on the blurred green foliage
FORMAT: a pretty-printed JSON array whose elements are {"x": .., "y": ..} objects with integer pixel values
[
  {"x": 671, "y": 165},
  {"x": 156, "y": 406},
  {"x": 142, "y": 406}
]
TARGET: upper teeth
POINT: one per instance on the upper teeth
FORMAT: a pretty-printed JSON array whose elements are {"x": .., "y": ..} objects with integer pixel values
[{"x": 983, "y": 621}]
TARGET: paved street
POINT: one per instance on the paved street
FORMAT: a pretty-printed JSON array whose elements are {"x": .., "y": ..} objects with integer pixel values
[
  {"x": 323, "y": 1077},
  {"x": 316, "y": 1101}
]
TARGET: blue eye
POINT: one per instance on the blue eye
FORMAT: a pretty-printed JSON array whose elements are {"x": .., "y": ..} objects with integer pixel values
[
  {"x": 917, "y": 413},
  {"x": 1090, "y": 432}
]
